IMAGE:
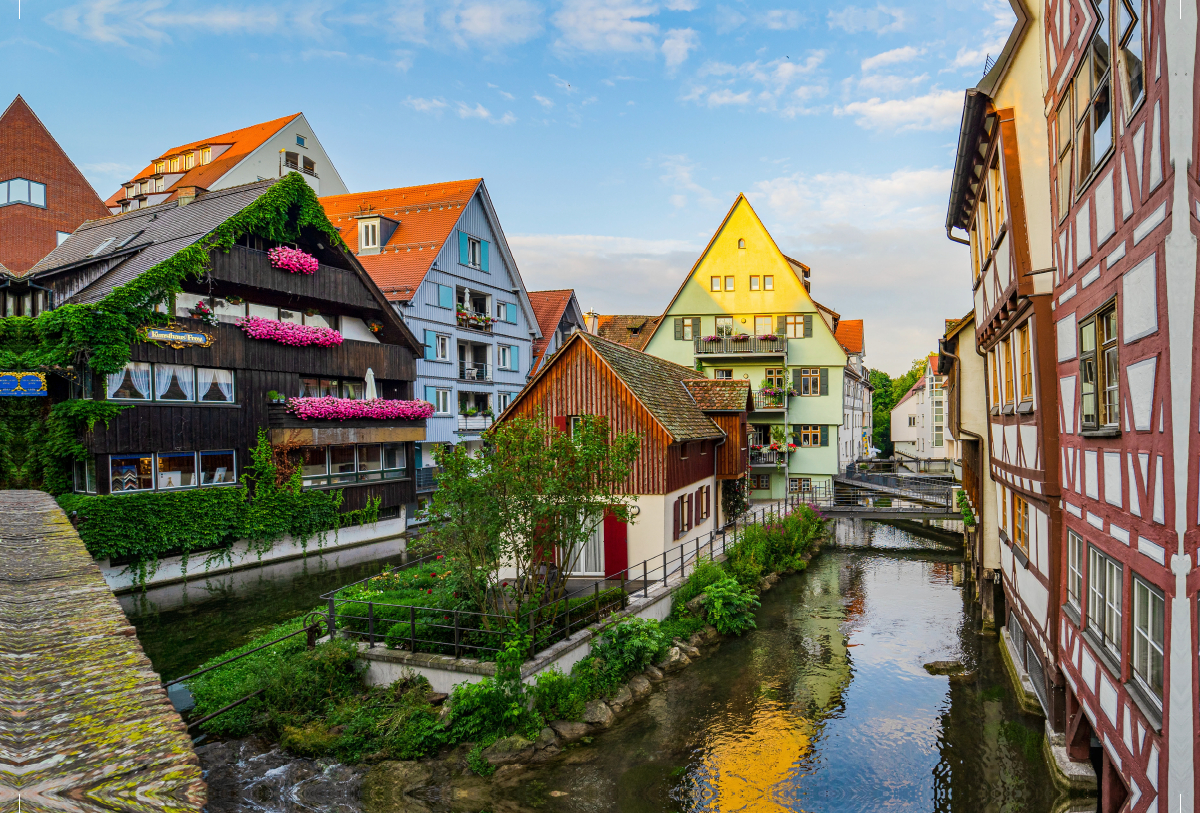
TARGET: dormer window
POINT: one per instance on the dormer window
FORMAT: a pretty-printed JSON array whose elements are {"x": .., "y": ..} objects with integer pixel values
[
  {"x": 374, "y": 231},
  {"x": 160, "y": 166},
  {"x": 206, "y": 155},
  {"x": 473, "y": 252},
  {"x": 189, "y": 160},
  {"x": 160, "y": 185},
  {"x": 175, "y": 164},
  {"x": 368, "y": 235},
  {"x": 300, "y": 140}
]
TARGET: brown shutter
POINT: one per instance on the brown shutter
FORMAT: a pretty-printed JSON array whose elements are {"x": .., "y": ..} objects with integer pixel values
[{"x": 675, "y": 520}]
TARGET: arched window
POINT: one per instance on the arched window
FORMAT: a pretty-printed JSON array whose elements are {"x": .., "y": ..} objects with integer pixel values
[{"x": 741, "y": 243}]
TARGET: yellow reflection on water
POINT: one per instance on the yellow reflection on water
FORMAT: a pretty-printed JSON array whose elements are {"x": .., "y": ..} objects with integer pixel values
[{"x": 743, "y": 767}]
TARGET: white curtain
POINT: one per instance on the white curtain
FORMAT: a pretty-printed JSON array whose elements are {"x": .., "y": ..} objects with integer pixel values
[
  {"x": 592, "y": 560},
  {"x": 222, "y": 378},
  {"x": 370, "y": 394},
  {"x": 139, "y": 374},
  {"x": 114, "y": 381},
  {"x": 181, "y": 373}
]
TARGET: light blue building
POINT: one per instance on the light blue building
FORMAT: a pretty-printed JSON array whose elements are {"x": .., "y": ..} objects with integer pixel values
[{"x": 440, "y": 256}]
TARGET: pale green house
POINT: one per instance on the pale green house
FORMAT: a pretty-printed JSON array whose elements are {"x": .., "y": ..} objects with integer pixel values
[{"x": 745, "y": 311}]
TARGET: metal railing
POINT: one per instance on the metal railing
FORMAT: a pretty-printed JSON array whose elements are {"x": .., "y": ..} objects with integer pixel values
[
  {"x": 546, "y": 620},
  {"x": 473, "y": 320},
  {"x": 897, "y": 494},
  {"x": 474, "y": 423},
  {"x": 766, "y": 457},
  {"x": 764, "y": 401},
  {"x": 474, "y": 371},
  {"x": 427, "y": 478},
  {"x": 741, "y": 344}
]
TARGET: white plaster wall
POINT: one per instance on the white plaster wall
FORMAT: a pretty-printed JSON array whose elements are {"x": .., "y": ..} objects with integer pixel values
[
  {"x": 264, "y": 162},
  {"x": 650, "y": 533}
]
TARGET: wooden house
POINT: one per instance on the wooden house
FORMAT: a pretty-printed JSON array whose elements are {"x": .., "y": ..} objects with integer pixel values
[
  {"x": 200, "y": 390},
  {"x": 693, "y": 436}
]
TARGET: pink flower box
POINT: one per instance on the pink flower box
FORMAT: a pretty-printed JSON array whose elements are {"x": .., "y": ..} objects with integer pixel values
[
  {"x": 293, "y": 260},
  {"x": 257, "y": 327},
  {"x": 342, "y": 409}
]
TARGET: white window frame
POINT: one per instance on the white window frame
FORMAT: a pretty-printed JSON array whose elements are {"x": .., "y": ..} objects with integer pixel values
[
  {"x": 503, "y": 357},
  {"x": 1075, "y": 549},
  {"x": 441, "y": 347},
  {"x": 1104, "y": 614},
  {"x": 1144, "y": 645},
  {"x": 441, "y": 401},
  {"x": 474, "y": 252},
  {"x": 368, "y": 235}
]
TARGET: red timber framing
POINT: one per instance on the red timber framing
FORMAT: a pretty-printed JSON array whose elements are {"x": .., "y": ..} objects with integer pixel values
[{"x": 1128, "y": 498}]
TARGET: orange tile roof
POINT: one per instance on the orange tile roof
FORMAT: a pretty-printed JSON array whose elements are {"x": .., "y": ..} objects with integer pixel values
[
  {"x": 849, "y": 334},
  {"x": 720, "y": 395},
  {"x": 242, "y": 142},
  {"x": 548, "y": 307},
  {"x": 631, "y": 331},
  {"x": 426, "y": 214}
]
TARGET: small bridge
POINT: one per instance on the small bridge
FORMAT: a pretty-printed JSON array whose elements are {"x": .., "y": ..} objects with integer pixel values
[
  {"x": 85, "y": 724},
  {"x": 865, "y": 495}
]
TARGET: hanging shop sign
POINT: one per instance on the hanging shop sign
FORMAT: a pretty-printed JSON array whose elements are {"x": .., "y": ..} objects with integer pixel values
[
  {"x": 22, "y": 384},
  {"x": 174, "y": 336}
]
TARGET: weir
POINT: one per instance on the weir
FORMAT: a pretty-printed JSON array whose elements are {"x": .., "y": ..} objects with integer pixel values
[{"x": 85, "y": 724}]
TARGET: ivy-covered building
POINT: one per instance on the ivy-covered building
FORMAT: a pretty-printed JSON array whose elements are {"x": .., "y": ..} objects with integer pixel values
[{"x": 210, "y": 341}]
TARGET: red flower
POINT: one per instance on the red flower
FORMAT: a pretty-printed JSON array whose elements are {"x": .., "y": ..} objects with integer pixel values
[
  {"x": 440, "y": 557},
  {"x": 430, "y": 592}
]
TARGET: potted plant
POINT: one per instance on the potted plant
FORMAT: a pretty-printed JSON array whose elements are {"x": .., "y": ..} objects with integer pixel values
[
  {"x": 740, "y": 337},
  {"x": 293, "y": 260},
  {"x": 375, "y": 325},
  {"x": 487, "y": 413},
  {"x": 275, "y": 397},
  {"x": 470, "y": 412},
  {"x": 767, "y": 337},
  {"x": 711, "y": 339},
  {"x": 204, "y": 313}
]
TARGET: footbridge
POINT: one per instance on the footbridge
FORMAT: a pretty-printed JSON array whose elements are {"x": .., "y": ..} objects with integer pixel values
[
  {"x": 85, "y": 724},
  {"x": 888, "y": 496}
]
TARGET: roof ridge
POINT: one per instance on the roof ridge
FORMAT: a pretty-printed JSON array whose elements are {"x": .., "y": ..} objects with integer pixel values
[{"x": 334, "y": 198}]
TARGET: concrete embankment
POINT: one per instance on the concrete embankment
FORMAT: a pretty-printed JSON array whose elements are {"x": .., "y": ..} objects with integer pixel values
[{"x": 85, "y": 724}]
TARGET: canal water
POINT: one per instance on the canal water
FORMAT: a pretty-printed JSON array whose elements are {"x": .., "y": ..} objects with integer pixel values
[{"x": 826, "y": 706}]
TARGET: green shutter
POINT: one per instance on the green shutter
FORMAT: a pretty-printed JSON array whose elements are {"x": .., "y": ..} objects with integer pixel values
[
  {"x": 417, "y": 447},
  {"x": 781, "y": 325},
  {"x": 796, "y": 379},
  {"x": 808, "y": 325},
  {"x": 464, "y": 249},
  {"x": 446, "y": 296},
  {"x": 510, "y": 313},
  {"x": 824, "y": 435},
  {"x": 824, "y": 380},
  {"x": 483, "y": 256},
  {"x": 429, "y": 340},
  {"x": 679, "y": 329}
]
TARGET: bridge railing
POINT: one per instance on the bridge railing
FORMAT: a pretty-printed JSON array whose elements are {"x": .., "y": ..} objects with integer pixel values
[{"x": 919, "y": 499}]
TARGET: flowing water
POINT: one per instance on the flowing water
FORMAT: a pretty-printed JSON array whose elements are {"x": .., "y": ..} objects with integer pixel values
[{"x": 827, "y": 706}]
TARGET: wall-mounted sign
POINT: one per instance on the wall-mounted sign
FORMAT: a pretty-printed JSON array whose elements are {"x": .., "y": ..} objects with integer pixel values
[
  {"x": 174, "y": 336},
  {"x": 22, "y": 384}
]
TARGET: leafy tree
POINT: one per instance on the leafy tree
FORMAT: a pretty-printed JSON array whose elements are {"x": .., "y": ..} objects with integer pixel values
[
  {"x": 881, "y": 411},
  {"x": 530, "y": 499}
]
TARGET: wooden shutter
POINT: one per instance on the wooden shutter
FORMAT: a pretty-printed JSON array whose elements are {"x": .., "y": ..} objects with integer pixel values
[
  {"x": 824, "y": 435},
  {"x": 514, "y": 359},
  {"x": 690, "y": 513},
  {"x": 708, "y": 501},
  {"x": 560, "y": 423},
  {"x": 695, "y": 327},
  {"x": 808, "y": 325},
  {"x": 781, "y": 325},
  {"x": 796, "y": 379},
  {"x": 483, "y": 256},
  {"x": 430, "y": 338},
  {"x": 679, "y": 329},
  {"x": 464, "y": 248},
  {"x": 675, "y": 520},
  {"x": 824, "y": 380},
  {"x": 446, "y": 296},
  {"x": 431, "y": 394}
]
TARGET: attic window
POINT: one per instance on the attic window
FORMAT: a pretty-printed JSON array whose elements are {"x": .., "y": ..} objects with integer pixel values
[
  {"x": 741, "y": 243},
  {"x": 206, "y": 155},
  {"x": 368, "y": 235},
  {"x": 160, "y": 166},
  {"x": 300, "y": 140},
  {"x": 107, "y": 242},
  {"x": 189, "y": 160},
  {"x": 175, "y": 164}
]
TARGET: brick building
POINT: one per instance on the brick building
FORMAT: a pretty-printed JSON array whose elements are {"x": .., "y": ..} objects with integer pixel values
[{"x": 43, "y": 195}]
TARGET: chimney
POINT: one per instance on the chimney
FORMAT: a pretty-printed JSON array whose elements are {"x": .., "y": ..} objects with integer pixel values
[
  {"x": 187, "y": 194},
  {"x": 591, "y": 321}
]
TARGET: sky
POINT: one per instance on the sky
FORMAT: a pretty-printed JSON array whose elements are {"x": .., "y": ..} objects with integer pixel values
[{"x": 613, "y": 135}]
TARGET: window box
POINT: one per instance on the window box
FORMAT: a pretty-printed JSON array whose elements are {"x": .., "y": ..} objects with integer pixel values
[{"x": 474, "y": 423}]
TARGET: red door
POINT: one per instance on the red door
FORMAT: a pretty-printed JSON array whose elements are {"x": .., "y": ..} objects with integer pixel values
[{"x": 616, "y": 546}]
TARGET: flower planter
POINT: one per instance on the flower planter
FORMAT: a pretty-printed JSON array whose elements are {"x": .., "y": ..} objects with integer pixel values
[
  {"x": 293, "y": 260},
  {"x": 287, "y": 333},
  {"x": 340, "y": 409}
]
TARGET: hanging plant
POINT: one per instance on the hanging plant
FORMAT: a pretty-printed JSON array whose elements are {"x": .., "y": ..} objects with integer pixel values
[
  {"x": 375, "y": 325},
  {"x": 311, "y": 311},
  {"x": 740, "y": 337},
  {"x": 235, "y": 300},
  {"x": 257, "y": 327},
  {"x": 204, "y": 313},
  {"x": 293, "y": 260}
]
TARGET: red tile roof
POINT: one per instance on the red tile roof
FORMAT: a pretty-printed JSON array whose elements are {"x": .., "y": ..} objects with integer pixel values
[
  {"x": 631, "y": 331},
  {"x": 849, "y": 334},
  {"x": 548, "y": 308},
  {"x": 720, "y": 394},
  {"x": 242, "y": 142},
  {"x": 427, "y": 215}
]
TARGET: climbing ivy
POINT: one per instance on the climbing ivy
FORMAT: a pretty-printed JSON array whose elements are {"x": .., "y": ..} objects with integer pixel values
[{"x": 40, "y": 443}]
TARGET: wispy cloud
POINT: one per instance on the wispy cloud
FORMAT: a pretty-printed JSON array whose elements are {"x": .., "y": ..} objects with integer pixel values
[
  {"x": 679, "y": 175},
  {"x": 937, "y": 109},
  {"x": 492, "y": 24},
  {"x": 425, "y": 105},
  {"x": 781, "y": 85},
  {"x": 466, "y": 111},
  {"x": 895, "y": 56},
  {"x": 880, "y": 20},
  {"x": 543, "y": 101},
  {"x": 677, "y": 44},
  {"x": 151, "y": 22},
  {"x": 605, "y": 25}
]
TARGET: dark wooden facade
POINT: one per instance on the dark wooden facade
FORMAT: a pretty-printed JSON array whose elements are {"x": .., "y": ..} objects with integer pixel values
[{"x": 733, "y": 456}]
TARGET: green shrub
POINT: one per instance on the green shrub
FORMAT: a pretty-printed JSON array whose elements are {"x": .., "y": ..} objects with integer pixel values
[
  {"x": 746, "y": 559},
  {"x": 629, "y": 646},
  {"x": 730, "y": 607},
  {"x": 495, "y": 706},
  {"x": 558, "y": 696},
  {"x": 707, "y": 572},
  {"x": 682, "y": 626},
  {"x": 311, "y": 740}
]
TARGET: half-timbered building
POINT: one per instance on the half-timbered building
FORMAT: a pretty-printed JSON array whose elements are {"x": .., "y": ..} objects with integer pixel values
[
  {"x": 693, "y": 434},
  {"x": 250, "y": 343}
]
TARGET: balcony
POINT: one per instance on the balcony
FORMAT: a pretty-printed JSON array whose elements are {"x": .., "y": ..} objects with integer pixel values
[
  {"x": 474, "y": 371},
  {"x": 770, "y": 400},
  {"x": 741, "y": 345},
  {"x": 473, "y": 320},
  {"x": 474, "y": 423},
  {"x": 286, "y": 428},
  {"x": 427, "y": 478},
  {"x": 766, "y": 457}
]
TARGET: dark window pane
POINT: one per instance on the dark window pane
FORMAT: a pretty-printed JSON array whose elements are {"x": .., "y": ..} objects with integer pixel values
[
  {"x": 176, "y": 470},
  {"x": 341, "y": 462},
  {"x": 370, "y": 460},
  {"x": 394, "y": 456},
  {"x": 312, "y": 461},
  {"x": 217, "y": 468},
  {"x": 131, "y": 472}
]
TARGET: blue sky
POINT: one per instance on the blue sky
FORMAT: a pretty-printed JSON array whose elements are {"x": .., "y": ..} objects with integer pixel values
[{"x": 613, "y": 134}]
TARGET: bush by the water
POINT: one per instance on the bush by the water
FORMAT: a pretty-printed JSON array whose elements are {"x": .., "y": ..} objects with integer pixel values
[{"x": 730, "y": 607}]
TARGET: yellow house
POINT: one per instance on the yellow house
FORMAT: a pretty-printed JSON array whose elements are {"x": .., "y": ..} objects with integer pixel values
[{"x": 745, "y": 311}]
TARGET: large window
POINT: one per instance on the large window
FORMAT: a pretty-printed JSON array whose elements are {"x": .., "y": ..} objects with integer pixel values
[
  {"x": 764, "y": 325},
  {"x": 800, "y": 326},
  {"x": 1148, "y": 610},
  {"x": 166, "y": 471},
  {"x": 938, "y": 422},
  {"x": 351, "y": 463},
  {"x": 332, "y": 388},
  {"x": 1006, "y": 351},
  {"x": 1100, "y": 371},
  {"x": 1104, "y": 600},
  {"x": 1074, "y": 569},
  {"x": 724, "y": 325},
  {"x": 1083, "y": 124},
  {"x": 809, "y": 435},
  {"x": 230, "y": 310},
  {"x": 143, "y": 381},
  {"x": 993, "y": 355},
  {"x": 85, "y": 476},
  {"x": 809, "y": 381},
  {"x": 1129, "y": 38},
  {"x": 19, "y": 190},
  {"x": 774, "y": 377}
]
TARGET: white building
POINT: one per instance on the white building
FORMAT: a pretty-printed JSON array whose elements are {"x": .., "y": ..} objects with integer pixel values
[
  {"x": 268, "y": 150},
  {"x": 919, "y": 426},
  {"x": 854, "y": 435}
]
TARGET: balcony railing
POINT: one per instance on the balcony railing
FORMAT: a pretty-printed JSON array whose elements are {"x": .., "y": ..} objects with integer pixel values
[
  {"x": 765, "y": 457},
  {"x": 427, "y": 478},
  {"x": 741, "y": 345},
  {"x": 474, "y": 423},
  {"x": 473, "y": 320},
  {"x": 474, "y": 371},
  {"x": 764, "y": 401}
]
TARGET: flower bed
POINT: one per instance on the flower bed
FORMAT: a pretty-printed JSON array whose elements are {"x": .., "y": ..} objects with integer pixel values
[
  {"x": 341, "y": 409},
  {"x": 293, "y": 260},
  {"x": 256, "y": 327}
]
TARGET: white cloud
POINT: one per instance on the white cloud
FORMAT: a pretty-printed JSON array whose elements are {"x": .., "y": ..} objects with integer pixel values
[
  {"x": 425, "y": 105},
  {"x": 466, "y": 111},
  {"x": 492, "y": 24},
  {"x": 678, "y": 173},
  {"x": 728, "y": 19},
  {"x": 605, "y": 25},
  {"x": 682, "y": 5},
  {"x": 881, "y": 19},
  {"x": 937, "y": 109},
  {"x": 991, "y": 40},
  {"x": 776, "y": 80},
  {"x": 677, "y": 44},
  {"x": 120, "y": 22},
  {"x": 543, "y": 101},
  {"x": 884, "y": 83},
  {"x": 781, "y": 20},
  {"x": 725, "y": 96},
  {"x": 912, "y": 197},
  {"x": 892, "y": 57}
]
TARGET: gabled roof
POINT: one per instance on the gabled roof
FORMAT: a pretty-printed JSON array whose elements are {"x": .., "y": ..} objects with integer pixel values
[
  {"x": 720, "y": 395},
  {"x": 241, "y": 143},
  {"x": 849, "y": 334},
  {"x": 426, "y": 215},
  {"x": 631, "y": 331},
  {"x": 915, "y": 388},
  {"x": 548, "y": 308}
]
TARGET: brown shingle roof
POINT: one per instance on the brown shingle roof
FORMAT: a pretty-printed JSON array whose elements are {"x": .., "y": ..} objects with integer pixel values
[
  {"x": 720, "y": 395},
  {"x": 427, "y": 215},
  {"x": 659, "y": 386},
  {"x": 849, "y": 334},
  {"x": 631, "y": 331}
]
